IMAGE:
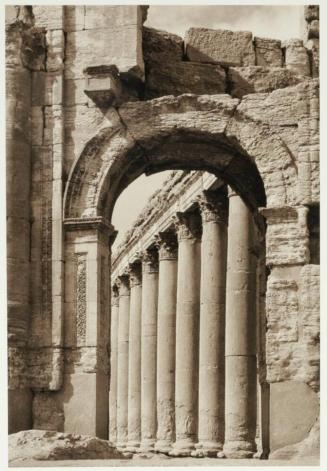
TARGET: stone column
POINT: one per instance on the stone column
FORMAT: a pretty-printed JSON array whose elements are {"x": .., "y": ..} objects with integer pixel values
[
  {"x": 168, "y": 248},
  {"x": 187, "y": 327},
  {"x": 240, "y": 351},
  {"x": 18, "y": 173},
  {"x": 149, "y": 350},
  {"x": 122, "y": 368},
  {"x": 212, "y": 324},
  {"x": 113, "y": 365},
  {"x": 134, "y": 363}
]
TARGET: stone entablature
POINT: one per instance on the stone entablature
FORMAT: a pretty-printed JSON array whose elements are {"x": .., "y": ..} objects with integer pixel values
[{"x": 158, "y": 214}]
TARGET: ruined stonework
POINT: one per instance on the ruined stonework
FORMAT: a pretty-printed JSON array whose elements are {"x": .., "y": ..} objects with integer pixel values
[{"x": 199, "y": 335}]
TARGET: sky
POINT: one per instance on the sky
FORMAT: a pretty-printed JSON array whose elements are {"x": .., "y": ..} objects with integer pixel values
[{"x": 278, "y": 22}]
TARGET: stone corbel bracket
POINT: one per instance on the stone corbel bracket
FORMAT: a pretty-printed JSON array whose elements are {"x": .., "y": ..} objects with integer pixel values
[{"x": 103, "y": 85}]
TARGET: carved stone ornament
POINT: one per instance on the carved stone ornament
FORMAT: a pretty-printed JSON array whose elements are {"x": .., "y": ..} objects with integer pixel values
[
  {"x": 114, "y": 295},
  {"x": 167, "y": 245},
  {"x": 150, "y": 261},
  {"x": 81, "y": 299},
  {"x": 213, "y": 207},
  {"x": 188, "y": 225},
  {"x": 122, "y": 283},
  {"x": 135, "y": 274}
]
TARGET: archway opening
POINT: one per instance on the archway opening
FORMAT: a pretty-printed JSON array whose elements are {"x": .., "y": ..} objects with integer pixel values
[{"x": 115, "y": 158}]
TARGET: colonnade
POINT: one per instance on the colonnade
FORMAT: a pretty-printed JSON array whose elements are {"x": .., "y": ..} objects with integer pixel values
[{"x": 183, "y": 337}]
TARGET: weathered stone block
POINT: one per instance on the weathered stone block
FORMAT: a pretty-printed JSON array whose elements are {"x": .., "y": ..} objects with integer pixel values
[
  {"x": 121, "y": 46},
  {"x": 19, "y": 409},
  {"x": 246, "y": 80},
  {"x": 220, "y": 46},
  {"x": 51, "y": 445},
  {"x": 112, "y": 16},
  {"x": 268, "y": 52},
  {"x": 311, "y": 12},
  {"x": 161, "y": 46},
  {"x": 287, "y": 236},
  {"x": 49, "y": 16},
  {"x": 282, "y": 310},
  {"x": 296, "y": 57},
  {"x": 74, "y": 92},
  {"x": 309, "y": 299},
  {"x": 47, "y": 89},
  {"x": 313, "y": 29},
  {"x": 47, "y": 413},
  {"x": 183, "y": 77},
  {"x": 55, "y": 50},
  {"x": 313, "y": 47},
  {"x": 74, "y": 17}
]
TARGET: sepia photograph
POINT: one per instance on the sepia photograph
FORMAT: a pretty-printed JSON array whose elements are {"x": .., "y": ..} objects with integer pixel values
[{"x": 162, "y": 234}]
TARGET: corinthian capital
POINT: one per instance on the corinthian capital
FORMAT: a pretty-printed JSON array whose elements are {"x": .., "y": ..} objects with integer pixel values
[
  {"x": 167, "y": 245},
  {"x": 114, "y": 295},
  {"x": 150, "y": 262},
  {"x": 188, "y": 225},
  {"x": 213, "y": 207},
  {"x": 135, "y": 274},
  {"x": 122, "y": 283}
]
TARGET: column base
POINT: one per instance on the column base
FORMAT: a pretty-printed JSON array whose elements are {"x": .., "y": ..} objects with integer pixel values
[
  {"x": 163, "y": 446},
  {"x": 182, "y": 448},
  {"x": 207, "y": 450},
  {"x": 238, "y": 450},
  {"x": 147, "y": 446},
  {"x": 121, "y": 445},
  {"x": 133, "y": 446}
]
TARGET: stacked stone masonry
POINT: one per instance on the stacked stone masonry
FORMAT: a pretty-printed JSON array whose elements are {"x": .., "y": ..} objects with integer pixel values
[{"x": 208, "y": 327}]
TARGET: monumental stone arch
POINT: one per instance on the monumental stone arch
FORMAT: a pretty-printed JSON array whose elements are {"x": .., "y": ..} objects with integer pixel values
[{"x": 230, "y": 380}]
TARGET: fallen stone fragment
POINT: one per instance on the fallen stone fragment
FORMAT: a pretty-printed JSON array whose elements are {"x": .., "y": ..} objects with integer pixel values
[
  {"x": 51, "y": 445},
  {"x": 161, "y": 46},
  {"x": 183, "y": 77},
  {"x": 245, "y": 80}
]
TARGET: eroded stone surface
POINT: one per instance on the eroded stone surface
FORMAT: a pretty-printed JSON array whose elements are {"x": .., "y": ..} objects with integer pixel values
[
  {"x": 51, "y": 445},
  {"x": 258, "y": 79},
  {"x": 220, "y": 46},
  {"x": 161, "y": 46},
  {"x": 183, "y": 77}
]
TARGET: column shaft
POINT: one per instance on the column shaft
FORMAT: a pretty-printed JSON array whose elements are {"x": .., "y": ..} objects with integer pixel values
[
  {"x": 122, "y": 373},
  {"x": 212, "y": 325},
  {"x": 240, "y": 392},
  {"x": 187, "y": 326},
  {"x": 134, "y": 368},
  {"x": 149, "y": 350},
  {"x": 167, "y": 244},
  {"x": 113, "y": 366}
]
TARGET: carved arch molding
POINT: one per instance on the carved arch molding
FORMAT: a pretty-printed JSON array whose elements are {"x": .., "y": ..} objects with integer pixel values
[{"x": 215, "y": 133}]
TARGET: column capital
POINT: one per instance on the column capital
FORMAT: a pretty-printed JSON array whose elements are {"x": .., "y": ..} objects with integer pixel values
[
  {"x": 122, "y": 283},
  {"x": 231, "y": 192},
  {"x": 150, "y": 262},
  {"x": 135, "y": 273},
  {"x": 213, "y": 207},
  {"x": 167, "y": 245},
  {"x": 114, "y": 295},
  {"x": 188, "y": 225}
]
